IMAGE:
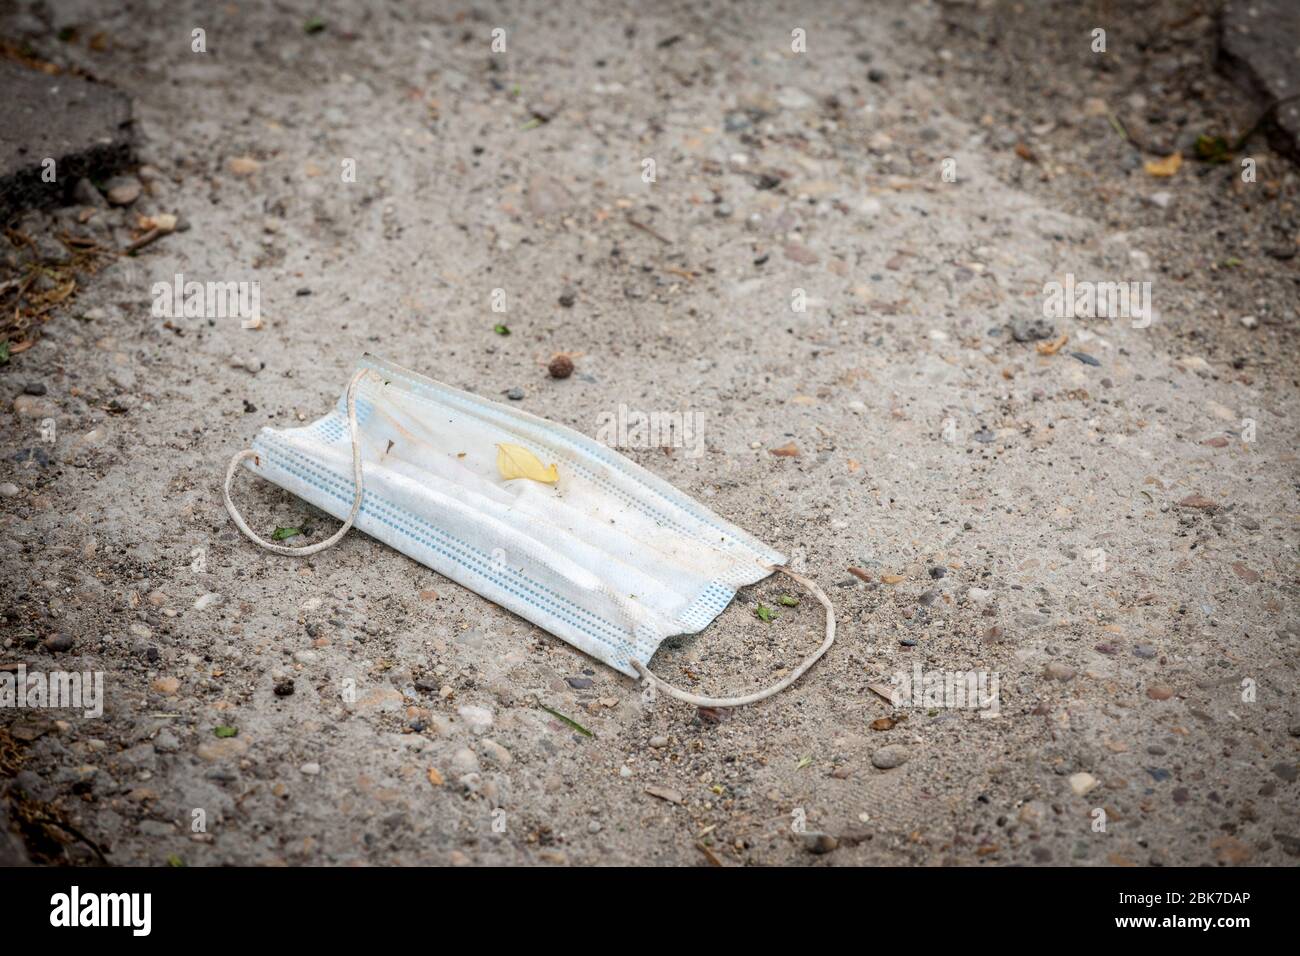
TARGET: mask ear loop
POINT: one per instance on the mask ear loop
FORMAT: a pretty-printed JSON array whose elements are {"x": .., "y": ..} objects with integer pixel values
[
  {"x": 356, "y": 476},
  {"x": 766, "y": 692}
]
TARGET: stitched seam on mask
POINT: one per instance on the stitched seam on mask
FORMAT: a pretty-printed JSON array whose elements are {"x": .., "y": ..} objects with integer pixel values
[
  {"x": 344, "y": 491},
  {"x": 605, "y": 455}
]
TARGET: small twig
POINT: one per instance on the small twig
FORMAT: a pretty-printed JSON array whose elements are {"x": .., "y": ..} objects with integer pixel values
[
  {"x": 81, "y": 242},
  {"x": 708, "y": 853},
  {"x": 644, "y": 228},
  {"x": 144, "y": 240}
]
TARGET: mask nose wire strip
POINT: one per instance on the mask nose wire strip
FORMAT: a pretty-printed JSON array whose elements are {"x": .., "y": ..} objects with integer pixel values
[
  {"x": 766, "y": 692},
  {"x": 356, "y": 476}
]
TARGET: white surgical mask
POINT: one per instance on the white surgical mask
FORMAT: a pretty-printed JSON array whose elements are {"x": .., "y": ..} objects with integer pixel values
[{"x": 608, "y": 557}]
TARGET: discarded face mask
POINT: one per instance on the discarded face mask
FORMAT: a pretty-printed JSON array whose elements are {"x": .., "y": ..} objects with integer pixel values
[{"x": 531, "y": 515}]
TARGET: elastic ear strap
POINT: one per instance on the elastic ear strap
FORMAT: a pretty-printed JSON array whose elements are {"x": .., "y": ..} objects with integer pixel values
[
  {"x": 766, "y": 692},
  {"x": 333, "y": 539}
]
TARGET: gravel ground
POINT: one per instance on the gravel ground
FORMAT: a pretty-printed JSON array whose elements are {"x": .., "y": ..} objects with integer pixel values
[{"x": 1106, "y": 524}]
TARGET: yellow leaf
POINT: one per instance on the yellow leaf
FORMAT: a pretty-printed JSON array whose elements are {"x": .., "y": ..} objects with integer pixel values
[
  {"x": 1164, "y": 167},
  {"x": 516, "y": 462}
]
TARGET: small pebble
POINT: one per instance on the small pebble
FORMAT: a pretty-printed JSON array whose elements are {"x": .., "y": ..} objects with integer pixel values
[
  {"x": 58, "y": 642},
  {"x": 819, "y": 843},
  {"x": 1033, "y": 813},
  {"x": 496, "y": 753},
  {"x": 887, "y": 758},
  {"x": 1081, "y": 783},
  {"x": 1030, "y": 330},
  {"x": 465, "y": 760},
  {"x": 1060, "y": 671},
  {"x": 205, "y": 601},
  {"x": 123, "y": 190},
  {"x": 561, "y": 367},
  {"x": 515, "y": 394},
  {"x": 478, "y": 719}
]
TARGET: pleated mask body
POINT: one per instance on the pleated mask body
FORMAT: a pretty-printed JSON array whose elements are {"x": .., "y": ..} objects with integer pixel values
[{"x": 609, "y": 557}]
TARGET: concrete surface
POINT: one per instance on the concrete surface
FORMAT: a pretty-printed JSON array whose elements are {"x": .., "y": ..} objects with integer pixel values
[
  {"x": 1109, "y": 529},
  {"x": 1260, "y": 40},
  {"x": 84, "y": 127}
]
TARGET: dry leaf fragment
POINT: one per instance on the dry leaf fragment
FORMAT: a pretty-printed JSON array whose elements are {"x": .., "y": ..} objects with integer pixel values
[
  {"x": 1051, "y": 348},
  {"x": 435, "y": 778},
  {"x": 892, "y": 578},
  {"x": 1164, "y": 168},
  {"x": 515, "y": 461},
  {"x": 664, "y": 793},
  {"x": 790, "y": 450},
  {"x": 861, "y": 574},
  {"x": 885, "y": 692}
]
